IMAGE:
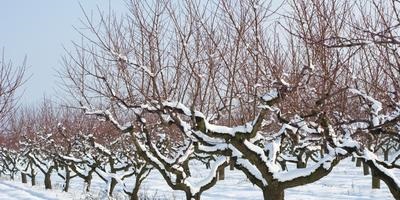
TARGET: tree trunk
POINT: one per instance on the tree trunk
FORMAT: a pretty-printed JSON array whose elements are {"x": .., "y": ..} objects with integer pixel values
[
  {"x": 112, "y": 186},
  {"x": 135, "y": 194},
  {"x": 23, "y": 178},
  {"x": 33, "y": 175},
  {"x": 47, "y": 180},
  {"x": 358, "y": 162},
  {"x": 301, "y": 165},
  {"x": 390, "y": 181},
  {"x": 113, "y": 181},
  {"x": 353, "y": 159},
  {"x": 33, "y": 179},
  {"x": 138, "y": 182},
  {"x": 365, "y": 169},
  {"x": 88, "y": 181},
  {"x": 221, "y": 174},
  {"x": 376, "y": 183},
  {"x": 231, "y": 165},
  {"x": 188, "y": 195},
  {"x": 322, "y": 152},
  {"x": 67, "y": 179},
  {"x": 196, "y": 196},
  {"x": 274, "y": 194},
  {"x": 386, "y": 155}
]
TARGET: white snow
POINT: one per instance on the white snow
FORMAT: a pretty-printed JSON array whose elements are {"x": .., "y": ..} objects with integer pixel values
[
  {"x": 273, "y": 94},
  {"x": 344, "y": 182},
  {"x": 311, "y": 66},
  {"x": 247, "y": 128},
  {"x": 11, "y": 190},
  {"x": 376, "y": 106}
]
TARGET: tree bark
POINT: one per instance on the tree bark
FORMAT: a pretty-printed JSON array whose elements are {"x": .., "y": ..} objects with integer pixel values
[
  {"x": 189, "y": 196},
  {"x": 365, "y": 168},
  {"x": 135, "y": 194},
  {"x": 33, "y": 179},
  {"x": 376, "y": 183},
  {"x": 322, "y": 152},
  {"x": 33, "y": 175},
  {"x": 47, "y": 180},
  {"x": 88, "y": 181},
  {"x": 358, "y": 162},
  {"x": 197, "y": 196},
  {"x": 67, "y": 179},
  {"x": 221, "y": 174},
  {"x": 112, "y": 186},
  {"x": 23, "y": 178},
  {"x": 274, "y": 194},
  {"x": 301, "y": 165},
  {"x": 386, "y": 155},
  {"x": 389, "y": 180},
  {"x": 113, "y": 181},
  {"x": 138, "y": 182},
  {"x": 231, "y": 165}
]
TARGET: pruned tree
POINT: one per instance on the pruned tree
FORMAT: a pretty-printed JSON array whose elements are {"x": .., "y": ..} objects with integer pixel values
[
  {"x": 229, "y": 80},
  {"x": 11, "y": 78}
]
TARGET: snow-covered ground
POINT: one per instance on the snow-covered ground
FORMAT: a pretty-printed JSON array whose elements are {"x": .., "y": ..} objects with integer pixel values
[
  {"x": 15, "y": 190},
  {"x": 345, "y": 182}
]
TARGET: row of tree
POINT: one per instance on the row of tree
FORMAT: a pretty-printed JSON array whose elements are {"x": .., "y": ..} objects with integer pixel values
[{"x": 250, "y": 84}]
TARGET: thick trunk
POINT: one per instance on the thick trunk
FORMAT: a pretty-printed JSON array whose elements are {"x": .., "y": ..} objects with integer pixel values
[
  {"x": 358, "y": 162},
  {"x": 390, "y": 181},
  {"x": 322, "y": 153},
  {"x": 273, "y": 194},
  {"x": 47, "y": 180},
  {"x": 197, "y": 196},
  {"x": 386, "y": 155},
  {"x": 376, "y": 183},
  {"x": 353, "y": 159},
  {"x": 365, "y": 169},
  {"x": 24, "y": 178},
  {"x": 231, "y": 165},
  {"x": 33, "y": 179},
  {"x": 135, "y": 194},
  {"x": 33, "y": 176},
  {"x": 189, "y": 196},
  {"x": 221, "y": 174},
  {"x": 67, "y": 179},
  {"x": 135, "y": 191},
  {"x": 301, "y": 164}
]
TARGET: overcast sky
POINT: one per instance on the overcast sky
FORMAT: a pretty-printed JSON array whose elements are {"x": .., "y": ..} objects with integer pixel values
[{"x": 39, "y": 29}]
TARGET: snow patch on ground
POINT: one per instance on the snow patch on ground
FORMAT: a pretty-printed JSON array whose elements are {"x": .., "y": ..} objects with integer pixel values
[{"x": 345, "y": 182}]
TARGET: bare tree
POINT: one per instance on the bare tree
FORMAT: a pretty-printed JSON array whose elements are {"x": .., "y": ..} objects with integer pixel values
[
  {"x": 237, "y": 80},
  {"x": 11, "y": 78}
]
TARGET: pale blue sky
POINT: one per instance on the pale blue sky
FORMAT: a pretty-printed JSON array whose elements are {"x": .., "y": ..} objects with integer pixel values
[{"x": 39, "y": 29}]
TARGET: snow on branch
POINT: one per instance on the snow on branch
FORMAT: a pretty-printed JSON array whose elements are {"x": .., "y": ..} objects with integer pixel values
[
  {"x": 196, "y": 187},
  {"x": 109, "y": 117},
  {"x": 376, "y": 106},
  {"x": 120, "y": 57}
]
